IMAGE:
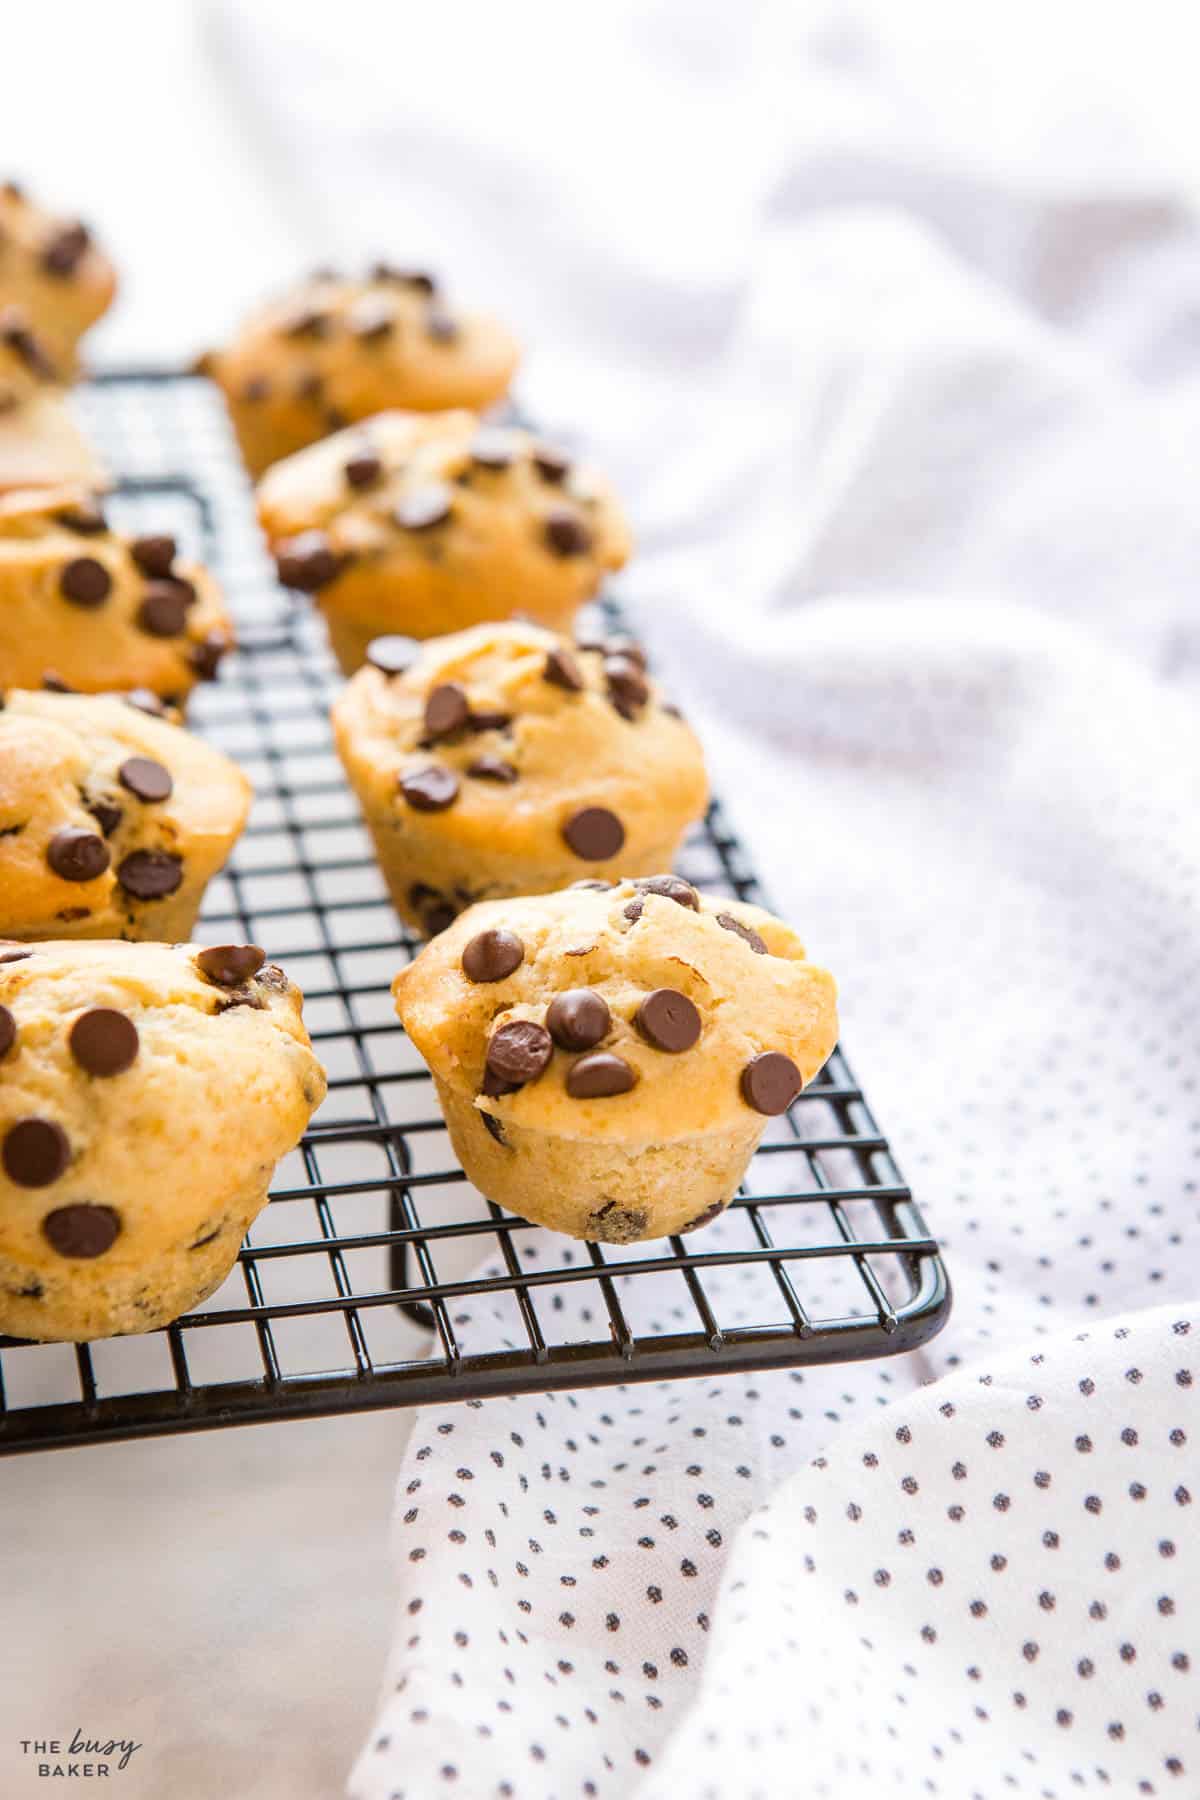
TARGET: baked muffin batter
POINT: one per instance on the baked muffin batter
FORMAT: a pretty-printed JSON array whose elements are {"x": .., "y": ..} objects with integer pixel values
[{"x": 51, "y": 268}]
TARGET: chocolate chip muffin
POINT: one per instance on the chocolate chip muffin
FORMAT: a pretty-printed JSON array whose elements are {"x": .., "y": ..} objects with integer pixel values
[
  {"x": 607, "y": 1058},
  {"x": 424, "y": 525},
  {"x": 50, "y": 267},
  {"x": 40, "y": 443},
  {"x": 93, "y": 610},
  {"x": 112, "y": 821},
  {"x": 146, "y": 1093},
  {"x": 339, "y": 348},
  {"x": 509, "y": 760}
]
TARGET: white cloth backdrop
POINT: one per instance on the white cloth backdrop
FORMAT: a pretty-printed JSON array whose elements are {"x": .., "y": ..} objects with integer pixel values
[{"x": 888, "y": 321}]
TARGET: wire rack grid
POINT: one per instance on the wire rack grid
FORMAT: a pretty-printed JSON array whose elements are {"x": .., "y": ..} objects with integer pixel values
[{"x": 377, "y": 1276}]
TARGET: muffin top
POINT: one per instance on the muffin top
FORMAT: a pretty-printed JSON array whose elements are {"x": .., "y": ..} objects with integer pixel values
[
  {"x": 50, "y": 266},
  {"x": 472, "y": 498},
  {"x": 642, "y": 1011},
  {"x": 105, "y": 809},
  {"x": 137, "y": 1080},
  {"x": 345, "y": 346},
  {"x": 511, "y": 734},
  {"x": 97, "y": 610}
]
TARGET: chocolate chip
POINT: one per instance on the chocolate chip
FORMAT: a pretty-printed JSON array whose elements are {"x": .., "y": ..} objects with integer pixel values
[
  {"x": 35, "y": 1152},
  {"x": 746, "y": 932},
  {"x": 107, "y": 814},
  {"x": 492, "y": 768},
  {"x": 623, "y": 645},
  {"x": 594, "y": 833},
  {"x": 12, "y": 956},
  {"x": 363, "y": 469},
  {"x": 670, "y": 887},
  {"x": 103, "y": 1041},
  {"x": 145, "y": 702},
  {"x": 431, "y": 789},
  {"x": 628, "y": 688},
  {"x": 563, "y": 671},
  {"x": 550, "y": 464},
  {"x": 164, "y": 609},
  {"x": 489, "y": 721},
  {"x": 567, "y": 535},
  {"x": 668, "y": 1020},
  {"x": 205, "y": 657},
  {"x": 371, "y": 319},
  {"x": 424, "y": 507},
  {"x": 15, "y": 332},
  {"x": 8, "y": 1031},
  {"x": 81, "y": 1230},
  {"x": 446, "y": 710},
  {"x": 493, "y": 449},
  {"x": 518, "y": 1052},
  {"x": 150, "y": 874},
  {"x": 77, "y": 855},
  {"x": 414, "y": 278},
  {"x": 614, "y": 1224},
  {"x": 256, "y": 389},
  {"x": 62, "y": 253},
  {"x": 599, "y": 1075},
  {"x": 310, "y": 385},
  {"x": 306, "y": 321},
  {"x": 593, "y": 887},
  {"x": 578, "y": 1019},
  {"x": 494, "y": 1128},
  {"x": 53, "y": 683},
  {"x": 85, "y": 517},
  {"x": 705, "y": 1218},
  {"x": 230, "y": 965},
  {"x": 492, "y": 955},
  {"x": 146, "y": 779},
  {"x": 392, "y": 655},
  {"x": 85, "y": 582},
  {"x": 770, "y": 1082},
  {"x": 307, "y": 562},
  {"x": 154, "y": 555},
  {"x": 441, "y": 327}
]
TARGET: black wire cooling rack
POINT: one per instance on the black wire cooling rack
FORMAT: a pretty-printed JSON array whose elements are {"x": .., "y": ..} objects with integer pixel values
[{"x": 378, "y": 1276}]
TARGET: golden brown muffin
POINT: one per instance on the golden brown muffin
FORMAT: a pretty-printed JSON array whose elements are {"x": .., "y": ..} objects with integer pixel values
[
  {"x": 146, "y": 1093},
  {"x": 427, "y": 524},
  {"x": 50, "y": 267},
  {"x": 607, "y": 1058},
  {"x": 508, "y": 760},
  {"x": 112, "y": 822},
  {"x": 95, "y": 610},
  {"x": 336, "y": 349},
  {"x": 40, "y": 443}
]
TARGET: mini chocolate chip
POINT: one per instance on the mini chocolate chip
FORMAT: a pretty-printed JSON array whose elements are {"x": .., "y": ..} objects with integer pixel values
[
  {"x": 205, "y": 657},
  {"x": 307, "y": 561},
  {"x": 431, "y": 789},
  {"x": 145, "y": 702},
  {"x": 85, "y": 517},
  {"x": 446, "y": 710},
  {"x": 62, "y": 253},
  {"x": 593, "y": 887},
  {"x": 35, "y": 1152},
  {"x": 628, "y": 688},
  {"x": 599, "y": 1075},
  {"x": 668, "y": 1020},
  {"x": 550, "y": 464},
  {"x": 8, "y": 1031},
  {"x": 705, "y": 1218},
  {"x": 306, "y": 321},
  {"x": 392, "y": 655},
  {"x": 85, "y": 582},
  {"x": 15, "y": 332},
  {"x": 770, "y": 1082},
  {"x": 81, "y": 1230},
  {"x": 489, "y": 721},
  {"x": 563, "y": 671},
  {"x": 256, "y": 389},
  {"x": 371, "y": 319},
  {"x": 670, "y": 887},
  {"x": 746, "y": 932},
  {"x": 438, "y": 917},
  {"x": 440, "y": 326},
  {"x": 107, "y": 814},
  {"x": 335, "y": 419},
  {"x": 163, "y": 612},
  {"x": 154, "y": 555},
  {"x": 310, "y": 385},
  {"x": 229, "y": 965},
  {"x": 519, "y": 1052},
  {"x": 150, "y": 874},
  {"x": 494, "y": 1128},
  {"x": 567, "y": 535},
  {"x": 77, "y": 855},
  {"x": 146, "y": 779},
  {"x": 613, "y": 1224},
  {"x": 363, "y": 469},
  {"x": 53, "y": 683},
  {"x": 493, "y": 449},
  {"x": 578, "y": 1019},
  {"x": 12, "y": 956},
  {"x": 492, "y": 768},
  {"x": 492, "y": 955},
  {"x": 103, "y": 1041},
  {"x": 426, "y": 506},
  {"x": 594, "y": 833}
]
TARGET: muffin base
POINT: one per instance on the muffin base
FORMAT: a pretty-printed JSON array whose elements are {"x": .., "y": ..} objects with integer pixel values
[
  {"x": 169, "y": 921},
  {"x": 596, "y": 1189}
]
